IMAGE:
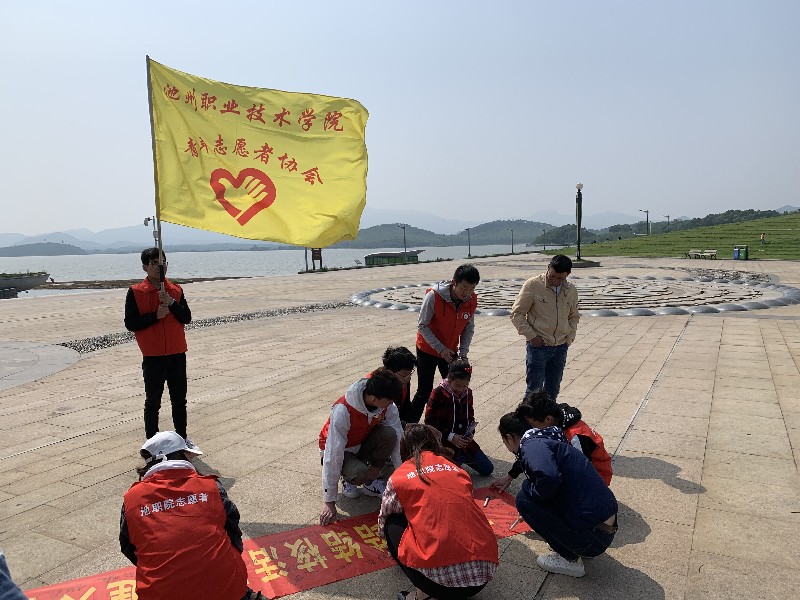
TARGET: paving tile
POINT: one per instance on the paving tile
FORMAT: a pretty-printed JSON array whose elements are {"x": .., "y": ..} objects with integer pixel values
[
  {"x": 720, "y": 532},
  {"x": 780, "y": 471},
  {"x": 750, "y": 498},
  {"x": 714, "y": 577}
]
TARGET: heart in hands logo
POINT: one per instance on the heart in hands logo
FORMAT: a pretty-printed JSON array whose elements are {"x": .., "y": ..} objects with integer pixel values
[{"x": 243, "y": 196}]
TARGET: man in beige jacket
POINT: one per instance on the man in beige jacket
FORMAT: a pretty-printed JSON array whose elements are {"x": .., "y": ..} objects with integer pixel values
[{"x": 546, "y": 314}]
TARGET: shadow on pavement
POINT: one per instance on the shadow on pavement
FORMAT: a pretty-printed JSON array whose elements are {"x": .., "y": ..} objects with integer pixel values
[{"x": 647, "y": 467}]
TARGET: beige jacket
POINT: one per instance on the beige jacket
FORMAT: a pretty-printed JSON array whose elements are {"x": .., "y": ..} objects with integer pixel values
[{"x": 538, "y": 311}]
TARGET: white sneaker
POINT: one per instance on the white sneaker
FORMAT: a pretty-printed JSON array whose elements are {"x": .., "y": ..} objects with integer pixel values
[
  {"x": 191, "y": 445},
  {"x": 376, "y": 488},
  {"x": 555, "y": 563},
  {"x": 350, "y": 490}
]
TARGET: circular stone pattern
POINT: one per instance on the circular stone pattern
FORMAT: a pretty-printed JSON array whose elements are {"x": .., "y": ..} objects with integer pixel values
[{"x": 611, "y": 296}]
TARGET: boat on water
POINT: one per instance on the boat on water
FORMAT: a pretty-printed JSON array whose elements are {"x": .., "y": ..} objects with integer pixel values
[
  {"x": 392, "y": 258},
  {"x": 10, "y": 283}
]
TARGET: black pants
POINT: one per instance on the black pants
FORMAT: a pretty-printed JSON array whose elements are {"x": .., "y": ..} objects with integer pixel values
[
  {"x": 158, "y": 370},
  {"x": 396, "y": 524},
  {"x": 426, "y": 370}
]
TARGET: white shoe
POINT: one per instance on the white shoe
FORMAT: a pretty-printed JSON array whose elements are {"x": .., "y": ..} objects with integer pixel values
[
  {"x": 350, "y": 490},
  {"x": 376, "y": 488},
  {"x": 555, "y": 563},
  {"x": 191, "y": 445}
]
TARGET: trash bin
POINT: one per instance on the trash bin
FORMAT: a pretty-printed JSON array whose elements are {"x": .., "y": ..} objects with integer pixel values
[
  {"x": 740, "y": 252},
  {"x": 735, "y": 253}
]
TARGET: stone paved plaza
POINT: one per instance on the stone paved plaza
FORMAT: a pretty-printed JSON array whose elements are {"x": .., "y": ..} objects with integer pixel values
[{"x": 701, "y": 411}]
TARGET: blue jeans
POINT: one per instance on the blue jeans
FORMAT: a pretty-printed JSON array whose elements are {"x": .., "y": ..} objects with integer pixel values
[
  {"x": 8, "y": 589},
  {"x": 477, "y": 460},
  {"x": 544, "y": 367},
  {"x": 546, "y": 520}
]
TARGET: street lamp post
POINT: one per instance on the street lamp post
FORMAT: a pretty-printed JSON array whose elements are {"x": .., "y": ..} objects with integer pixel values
[
  {"x": 469, "y": 245},
  {"x": 512, "y": 240},
  {"x": 544, "y": 244},
  {"x": 667, "y": 222},
  {"x": 647, "y": 220},
  {"x": 578, "y": 215},
  {"x": 403, "y": 227}
]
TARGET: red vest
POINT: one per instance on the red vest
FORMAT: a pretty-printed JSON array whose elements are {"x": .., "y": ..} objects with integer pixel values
[
  {"x": 600, "y": 457},
  {"x": 445, "y": 525},
  {"x": 176, "y": 520},
  {"x": 447, "y": 323},
  {"x": 166, "y": 336},
  {"x": 359, "y": 427}
]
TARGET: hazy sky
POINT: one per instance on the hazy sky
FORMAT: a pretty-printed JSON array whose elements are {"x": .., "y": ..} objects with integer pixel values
[{"x": 478, "y": 110}]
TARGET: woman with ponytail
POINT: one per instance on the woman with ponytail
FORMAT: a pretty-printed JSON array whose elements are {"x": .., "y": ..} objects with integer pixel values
[{"x": 434, "y": 529}]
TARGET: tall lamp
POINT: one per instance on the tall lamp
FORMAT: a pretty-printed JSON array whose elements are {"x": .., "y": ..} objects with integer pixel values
[
  {"x": 647, "y": 220},
  {"x": 578, "y": 216},
  {"x": 512, "y": 240},
  {"x": 469, "y": 245}
]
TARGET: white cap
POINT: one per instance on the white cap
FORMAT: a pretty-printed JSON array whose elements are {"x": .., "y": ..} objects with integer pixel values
[{"x": 166, "y": 442}]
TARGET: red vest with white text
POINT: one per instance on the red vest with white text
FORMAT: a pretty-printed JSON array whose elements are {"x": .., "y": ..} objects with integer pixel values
[
  {"x": 447, "y": 323},
  {"x": 445, "y": 525},
  {"x": 166, "y": 336},
  {"x": 176, "y": 521},
  {"x": 360, "y": 428}
]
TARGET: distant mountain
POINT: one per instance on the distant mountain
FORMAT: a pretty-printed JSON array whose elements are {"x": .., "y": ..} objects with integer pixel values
[
  {"x": 378, "y": 229},
  {"x": 42, "y": 249},
  {"x": 496, "y": 232},
  {"x": 380, "y": 216},
  {"x": 6, "y": 239},
  {"x": 137, "y": 237},
  {"x": 596, "y": 221}
]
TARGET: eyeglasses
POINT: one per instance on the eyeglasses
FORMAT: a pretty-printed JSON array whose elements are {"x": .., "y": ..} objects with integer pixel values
[{"x": 154, "y": 263}]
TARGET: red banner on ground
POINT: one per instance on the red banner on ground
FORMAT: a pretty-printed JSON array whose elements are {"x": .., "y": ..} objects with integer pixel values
[{"x": 294, "y": 561}]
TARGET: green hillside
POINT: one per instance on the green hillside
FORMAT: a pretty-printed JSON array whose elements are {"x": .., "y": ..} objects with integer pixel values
[
  {"x": 782, "y": 241},
  {"x": 496, "y": 232}
]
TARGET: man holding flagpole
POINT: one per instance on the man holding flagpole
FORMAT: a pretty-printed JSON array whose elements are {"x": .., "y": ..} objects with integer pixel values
[{"x": 156, "y": 311}]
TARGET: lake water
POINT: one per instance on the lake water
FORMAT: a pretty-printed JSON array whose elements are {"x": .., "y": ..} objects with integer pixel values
[{"x": 219, "y": 264}]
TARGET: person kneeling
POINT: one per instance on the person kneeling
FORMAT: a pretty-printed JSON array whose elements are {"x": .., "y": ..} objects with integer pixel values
[
  {"x": 432, "y": 525},
  {"x": 180, "y": 528},
  {"x": 564, "y": 499}
]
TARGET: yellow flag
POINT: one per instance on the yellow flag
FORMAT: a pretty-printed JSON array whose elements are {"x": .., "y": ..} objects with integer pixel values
[{"x": 257, "y": 163}]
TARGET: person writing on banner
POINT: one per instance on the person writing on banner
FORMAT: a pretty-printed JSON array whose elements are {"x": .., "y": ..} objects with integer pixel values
[
  {"x": 156, "y": 317},
  {"x": 563, "y": 498},
  {"x": 576, "y": 431},
  {"x": 180, "y": 528},
  {"x": 358, "y": 440},
  {"x": 434, "y": 529},
  {"x": 444, "y": 330},
  {"x": 546, "y": 314}
]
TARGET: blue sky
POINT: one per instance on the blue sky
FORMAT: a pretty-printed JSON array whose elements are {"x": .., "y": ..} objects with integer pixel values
[{"x": 478, "y": 111}]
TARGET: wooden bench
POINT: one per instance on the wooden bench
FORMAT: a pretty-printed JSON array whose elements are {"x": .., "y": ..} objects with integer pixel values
[
  {"x": 694, "y": 253},
  {"x": 708, "y": 254}
]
